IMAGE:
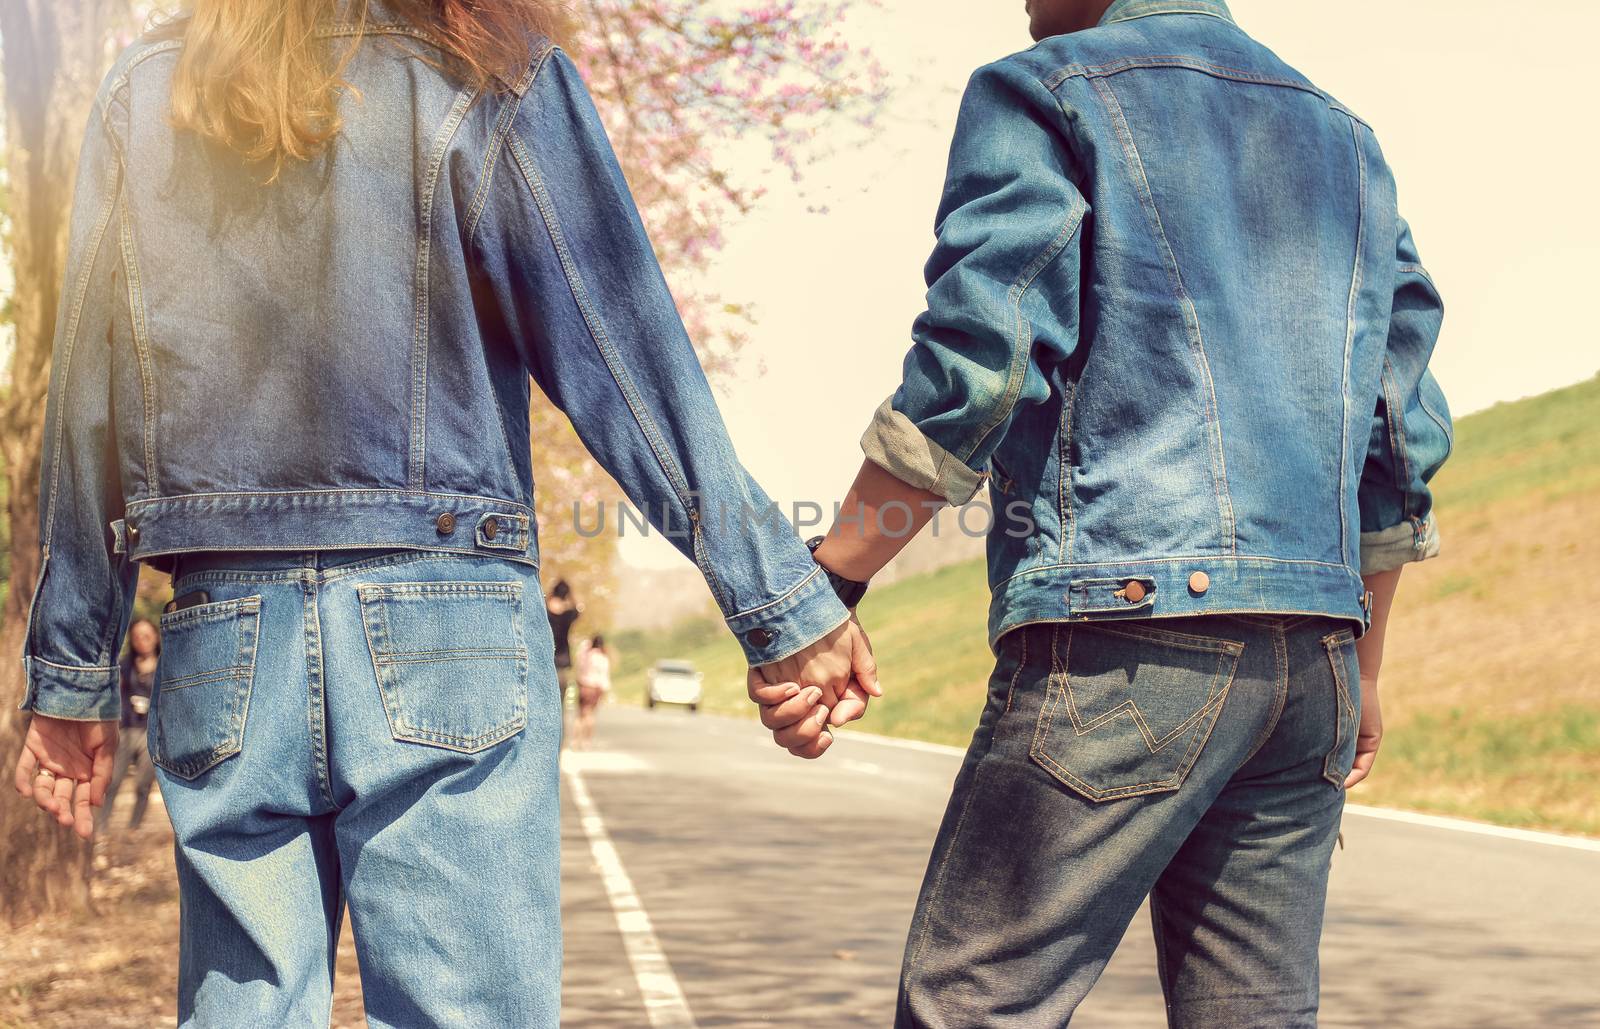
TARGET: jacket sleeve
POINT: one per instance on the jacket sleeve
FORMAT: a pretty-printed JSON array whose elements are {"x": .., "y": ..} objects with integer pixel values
[
  {"x": 1003, "y": 289},
  {"x": 563, "y": 255},
  {"x": 1411, "y": 429},
  {"x": 82, "y": 599}
]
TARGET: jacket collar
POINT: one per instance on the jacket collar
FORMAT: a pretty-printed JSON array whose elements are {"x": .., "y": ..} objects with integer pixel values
[
  {"x": 1127, "y": 10},
  {"x": 344, "y": 12}
]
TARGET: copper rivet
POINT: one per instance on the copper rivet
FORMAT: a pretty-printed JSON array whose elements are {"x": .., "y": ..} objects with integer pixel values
[
  {"x": 1134, "y": 592},
  {"x": 1199, "y": 582}
]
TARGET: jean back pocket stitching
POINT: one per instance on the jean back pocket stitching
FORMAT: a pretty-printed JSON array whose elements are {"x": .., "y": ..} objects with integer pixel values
[
  {"x": 372, "y": 596},
  {"x": 1214, "y": 698},
  {"x": 1060, "y": 674},
  {"x": 246, "y": 614},
  {"x": 201, "y": 678}
]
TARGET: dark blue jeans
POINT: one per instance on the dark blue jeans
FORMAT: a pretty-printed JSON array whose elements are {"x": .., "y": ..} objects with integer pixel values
[{"x": 1197, "y": 761}]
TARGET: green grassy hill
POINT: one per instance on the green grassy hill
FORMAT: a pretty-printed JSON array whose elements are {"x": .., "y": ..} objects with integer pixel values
[{"x": 1491, "y": 685}]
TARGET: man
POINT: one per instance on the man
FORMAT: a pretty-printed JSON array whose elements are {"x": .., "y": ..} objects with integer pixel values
[{"x": 1177, "y": 325}]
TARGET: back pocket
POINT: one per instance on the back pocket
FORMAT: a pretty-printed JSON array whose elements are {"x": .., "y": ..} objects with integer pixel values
[
  {"x": 450, "y": 660},
  {"x": 1129, "y": 707},
  {"x": 207, "y": 666},
  {"x": 1341, "y": 647}
]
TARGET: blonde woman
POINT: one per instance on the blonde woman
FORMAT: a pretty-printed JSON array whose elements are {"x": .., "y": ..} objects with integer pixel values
[{"x": 316, "y": 250}]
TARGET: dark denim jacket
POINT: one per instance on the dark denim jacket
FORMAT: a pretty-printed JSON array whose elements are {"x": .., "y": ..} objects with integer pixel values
[
  {"x": 1177, "y": 325},
  {"x": 342, "y": 359}
]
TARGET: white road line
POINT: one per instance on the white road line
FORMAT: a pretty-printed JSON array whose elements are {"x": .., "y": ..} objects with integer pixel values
[
  {"x": 1409, "y": 817},
  {"x": 664, "y": 1002},
  {"x": 863, "y": 767},
  {"x": 1548, "y": 839},
  {"x": 893, "y": 741}
]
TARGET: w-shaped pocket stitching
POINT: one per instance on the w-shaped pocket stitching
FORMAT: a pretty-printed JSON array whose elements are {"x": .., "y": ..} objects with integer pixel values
[
  {"x": 450, "y": 660},
  {"x": 1129, "y": 707},
  {"x": 204, "y": 678}
]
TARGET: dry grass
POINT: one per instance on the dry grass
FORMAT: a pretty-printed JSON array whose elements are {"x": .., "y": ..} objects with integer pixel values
[
  {"x": 1491, "y": 686},
  {"x": 116, "y": 968}
]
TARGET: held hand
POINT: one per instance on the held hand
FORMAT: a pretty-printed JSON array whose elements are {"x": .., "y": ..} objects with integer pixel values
[
  {"x": 65, "y": 767},
  {"x": 842, "y": 664},
  {"x": 795, "y": 714},
  {"x": 800, "y": 715},
  {"x": 1370, "y": 734}
]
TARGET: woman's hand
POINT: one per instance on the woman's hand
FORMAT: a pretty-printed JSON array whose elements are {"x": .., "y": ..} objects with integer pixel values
[
  {"x": 796, "y": 715},
  {"x": 65, "y": 767}
]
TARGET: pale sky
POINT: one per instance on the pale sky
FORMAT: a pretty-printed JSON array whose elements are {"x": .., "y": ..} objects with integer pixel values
[{"x": 1484, "y": 111}]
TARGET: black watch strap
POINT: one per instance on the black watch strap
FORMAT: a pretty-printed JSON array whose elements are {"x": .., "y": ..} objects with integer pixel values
[{"x": 850, "y": 592}]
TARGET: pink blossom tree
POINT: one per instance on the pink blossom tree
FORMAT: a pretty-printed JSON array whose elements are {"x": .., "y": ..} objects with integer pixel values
[{"x": 678, "y": 82}]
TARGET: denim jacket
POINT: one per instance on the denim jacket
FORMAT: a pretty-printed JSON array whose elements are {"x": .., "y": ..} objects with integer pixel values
[
  {"x": 342, "y": 359},
  {"x": 1176, "y": 323}
]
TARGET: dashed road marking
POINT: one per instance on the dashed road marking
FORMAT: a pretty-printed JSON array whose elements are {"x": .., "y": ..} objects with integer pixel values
[{"x": 864, "y": 767}]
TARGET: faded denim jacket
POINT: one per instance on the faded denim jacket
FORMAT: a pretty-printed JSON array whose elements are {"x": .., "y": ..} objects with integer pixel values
[
  {"x": 1177, "y": 325},
  {"x": 342, "y": 359}
]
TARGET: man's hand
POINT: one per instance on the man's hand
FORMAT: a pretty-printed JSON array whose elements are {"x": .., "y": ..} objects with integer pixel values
[
  {"x": 65, "y": 767},
  {"x": 1369, "y": 655},
  {"x": 1370, "y": 734}
]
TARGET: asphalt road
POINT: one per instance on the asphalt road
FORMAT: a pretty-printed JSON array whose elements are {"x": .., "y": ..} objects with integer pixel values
[{"x": 712, "y": 880}]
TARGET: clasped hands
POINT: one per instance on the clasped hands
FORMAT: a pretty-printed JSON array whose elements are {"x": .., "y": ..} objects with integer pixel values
[{"x": 806, "y": 695}]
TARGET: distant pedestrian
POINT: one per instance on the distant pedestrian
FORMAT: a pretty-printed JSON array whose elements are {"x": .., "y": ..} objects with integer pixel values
[
  {"x": 594, "y": 682},
  {"x": 563, "y": 609},
  {"x": 137, "y": 673}
]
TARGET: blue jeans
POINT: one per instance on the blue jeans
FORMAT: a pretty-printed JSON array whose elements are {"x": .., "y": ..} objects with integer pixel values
[
  {"x": 1197, "y": 761},
  {"x": 377, "y": 729}
]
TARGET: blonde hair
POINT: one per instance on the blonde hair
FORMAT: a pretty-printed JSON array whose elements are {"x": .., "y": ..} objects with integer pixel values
[{"x": 259, "y": 77}]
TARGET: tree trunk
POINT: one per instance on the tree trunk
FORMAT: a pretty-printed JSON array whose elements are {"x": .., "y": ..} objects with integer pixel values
[{"x": 56, "y": 52}]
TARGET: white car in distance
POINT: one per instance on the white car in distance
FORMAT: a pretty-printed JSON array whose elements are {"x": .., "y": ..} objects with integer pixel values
[{"x": 674, "y": 682}]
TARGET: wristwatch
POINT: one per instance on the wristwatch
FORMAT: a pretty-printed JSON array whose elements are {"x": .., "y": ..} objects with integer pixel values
[{"x": 850, "y": 592}]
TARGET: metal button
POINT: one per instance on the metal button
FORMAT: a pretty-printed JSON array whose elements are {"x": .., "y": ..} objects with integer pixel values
[
  {"x": 759, "y": 637},
  {"x": 1133, "y": 592},
  {"x": 491, "y": 526},
  {"x": 132, "y": 534},
  {"x": 445, "y": 523},
  {"x": 1199, "y": 582}
]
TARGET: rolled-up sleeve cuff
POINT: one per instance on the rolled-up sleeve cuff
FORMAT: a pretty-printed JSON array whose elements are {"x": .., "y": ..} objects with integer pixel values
[
  {"x": 894, "y": 443},
  {"x": 1399, "y": 545},
  {"x": 791, "y": 623},
  {"x": 72, "y": 692}
]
